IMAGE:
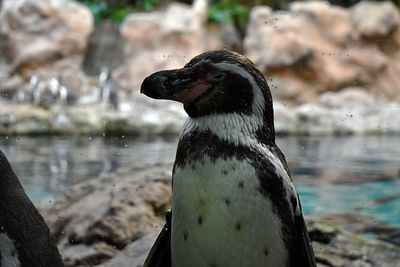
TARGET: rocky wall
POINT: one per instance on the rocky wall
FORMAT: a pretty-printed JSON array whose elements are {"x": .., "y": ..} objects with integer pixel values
[
  {"x": 314, "y": 47},
  {"x": 330, "y": 69}
]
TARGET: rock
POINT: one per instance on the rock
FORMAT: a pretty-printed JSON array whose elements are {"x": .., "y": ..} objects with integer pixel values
[
  {"x": 41, "y": 37},
  {"x": 284, "y": 118},
  {"x": 105, "y": 48},
  {"x": 305, "y": 56},
  {"x": 139, "y": 116},
  {"x": 161, "y": 40},
  {"x": 365, "y": 225},
  {"x": 56, "y": 31},
  {"x": 324, "y": 16},
  {"x": 9, "y": 84},
  {"x": 102, "y": 216},
  {"x": 88, "y": 255},
  {"x": 347, "y": 98},
  {"x": 265, "y": 32},
  {"x": 348, "y": 112},
  {"x": 334, "y": 246},
  {"x": 133, "y": 255},
  {"x": 375, "y": 19}
]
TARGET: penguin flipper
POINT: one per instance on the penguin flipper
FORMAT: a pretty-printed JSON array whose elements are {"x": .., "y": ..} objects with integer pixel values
[
  {"x": 306, "y": 249},
  {"x": 160, "y": 253}
]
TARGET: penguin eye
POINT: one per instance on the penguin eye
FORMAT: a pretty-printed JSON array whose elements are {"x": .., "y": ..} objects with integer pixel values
[{"x": 219, "y": 76}]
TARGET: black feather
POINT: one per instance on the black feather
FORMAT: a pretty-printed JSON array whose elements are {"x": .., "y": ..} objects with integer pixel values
[
  {"x": 21, "y": 222},
  {"x": 160, "y": 253}
]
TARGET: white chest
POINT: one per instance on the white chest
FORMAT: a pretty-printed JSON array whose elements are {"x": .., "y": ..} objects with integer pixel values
[
  {"x": 8, "y": 252},
  {"x": 220, "y": 218}
]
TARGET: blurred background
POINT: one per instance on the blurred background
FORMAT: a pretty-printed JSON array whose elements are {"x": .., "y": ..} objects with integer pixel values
[{"x": 96, "y": 156}]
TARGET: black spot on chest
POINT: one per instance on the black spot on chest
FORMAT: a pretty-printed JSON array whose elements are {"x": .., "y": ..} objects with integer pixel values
[{"x": 238, "y": 226}]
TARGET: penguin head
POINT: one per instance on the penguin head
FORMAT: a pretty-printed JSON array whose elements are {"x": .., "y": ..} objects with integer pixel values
[{"x": 215, "y": 82}]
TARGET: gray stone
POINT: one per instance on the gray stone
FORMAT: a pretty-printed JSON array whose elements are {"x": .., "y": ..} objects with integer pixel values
[
  {"x": 337, "y": 247},
  {"x": 104, "y": 49},
  {"x": 133, "y": 255}
]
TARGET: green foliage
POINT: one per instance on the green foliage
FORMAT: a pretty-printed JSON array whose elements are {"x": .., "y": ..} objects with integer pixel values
[
  {"x": 228, "y": 10},
  {"x": 147, "y": 5},
  {"x": 116, "y": 10}
]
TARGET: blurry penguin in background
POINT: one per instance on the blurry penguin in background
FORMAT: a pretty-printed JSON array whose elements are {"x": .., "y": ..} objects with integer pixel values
[{"x": 107, "y": 89}]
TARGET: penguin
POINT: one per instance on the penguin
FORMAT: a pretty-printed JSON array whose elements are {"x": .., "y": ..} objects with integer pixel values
[
  {"x": 233, "y": 200},
  {"x": 25, "y": 239},
  {"x": 108, "y": 91}
]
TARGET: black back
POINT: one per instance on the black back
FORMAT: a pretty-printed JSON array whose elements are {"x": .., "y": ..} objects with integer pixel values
[{"x": 21, "y": 222}]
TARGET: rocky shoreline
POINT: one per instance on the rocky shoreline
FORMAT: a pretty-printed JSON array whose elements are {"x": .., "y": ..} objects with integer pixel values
[
  {"x": 350, "y": 111},
  {"x": 113, "y": 220}
]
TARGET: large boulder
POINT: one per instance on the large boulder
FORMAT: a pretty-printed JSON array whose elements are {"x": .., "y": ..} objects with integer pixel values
[
  {"x": 42, "y": 33},
  {"x": 162, "y": 40},
  {"x": 45, "y": 36},
  {"x": 374, "y": 19},
  {"x": 315, "y": 47}
]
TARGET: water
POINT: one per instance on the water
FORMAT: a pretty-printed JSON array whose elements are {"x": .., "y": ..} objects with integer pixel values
[{"x": 357, "y": 174}]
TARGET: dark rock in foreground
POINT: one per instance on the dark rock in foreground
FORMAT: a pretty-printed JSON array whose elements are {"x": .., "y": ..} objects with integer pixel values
[{"x": 113, "y": 221}]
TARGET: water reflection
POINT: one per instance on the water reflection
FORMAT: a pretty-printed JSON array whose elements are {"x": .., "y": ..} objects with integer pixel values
[
  {"x": 333, "y": 174},
  {"x": 347, "y": 159},
  {"x": 48, "y": 166}
]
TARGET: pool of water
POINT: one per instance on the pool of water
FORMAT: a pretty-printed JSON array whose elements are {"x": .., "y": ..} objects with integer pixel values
[{"x": 353, "y": 174}]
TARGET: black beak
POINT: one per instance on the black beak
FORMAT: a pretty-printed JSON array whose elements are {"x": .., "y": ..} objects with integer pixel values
[{"x": 167, "y": 84}]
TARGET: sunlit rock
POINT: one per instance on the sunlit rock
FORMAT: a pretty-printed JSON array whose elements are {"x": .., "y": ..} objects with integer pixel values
[
  {"x": 44, "y": 37},
  {"x": 161, "y": 40},
  {"x": 375, "y": 19},
  {"x": 273, "y": 38},
  {"x": 351, "y": 111},
  {"x": 316, "y": 47},
  {"x": 43, "y": 33},
  {"x": 349, "y": 98},
  {"x": 324, "y": 16}
]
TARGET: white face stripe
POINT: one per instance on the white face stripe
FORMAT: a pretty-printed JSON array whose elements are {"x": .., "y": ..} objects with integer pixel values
[{"x": 8, "y": 252}]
